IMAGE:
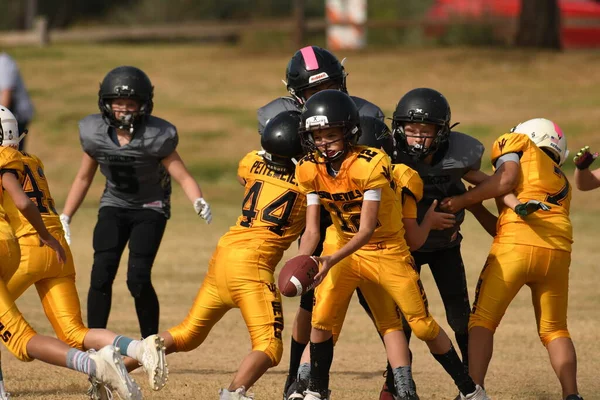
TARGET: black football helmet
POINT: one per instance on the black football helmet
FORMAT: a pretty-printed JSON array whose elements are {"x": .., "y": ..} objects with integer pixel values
[
  {"x": 126, "y": 82},
  {"x": 281, "y": 143},
  {"x": 329, "y": 109},
  {"x": 375, "y": 133},
  {"x": 425, "y": 106},
  {"x": 312, "y": 66}
]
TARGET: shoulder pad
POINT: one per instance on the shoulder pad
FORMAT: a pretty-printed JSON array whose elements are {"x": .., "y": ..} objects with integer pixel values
[
  {"x": 11, "y": 160},
  {"x": 368, "y": 109},
  {"x": 159, "y": 137},
  {"x": 247, "y": 162},
  {"x": 464, "y": 150},
  {"x": 509, "y": 143},
  {"x": 371, "y": 168},
  {"x": 306, "y": 174},
  {"x": 279, "y": 105},
  {"x": 408, "y": 178},
  {"x": 88, "y": 128}
]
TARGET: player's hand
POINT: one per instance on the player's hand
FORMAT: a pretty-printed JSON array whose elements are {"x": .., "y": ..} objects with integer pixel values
[
  {"x": 203, "y": 209},
  {"x": 452, "y": 204},
  {"x": 325, "y": 264},
  {"x": 530, "y": 207},
  {"x": 65, "y": 220},
  {"x": 55, "y": 245},
  {"x": 583, "y": 159},
  {"x": 439, "y": 220}
]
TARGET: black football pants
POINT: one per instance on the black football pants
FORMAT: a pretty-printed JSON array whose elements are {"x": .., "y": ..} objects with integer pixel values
[{"x": 143, "y": 229}]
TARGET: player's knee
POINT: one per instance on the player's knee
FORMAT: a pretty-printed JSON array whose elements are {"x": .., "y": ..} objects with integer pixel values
[
  {"x": 138, "y": 288},
  {"x": 187, "y": 338},
  {"x": 74, "y": 337},
  {"x": 425, "y": 329},
  {"x": 476, "y": 320},
  {"x": 547, "y": 337},
  {"x": 307, "y": 301},
  {"x": 273, "y": 348},
  {"x": 459, "y": 320},
  {"x": 102, "y": 277}
]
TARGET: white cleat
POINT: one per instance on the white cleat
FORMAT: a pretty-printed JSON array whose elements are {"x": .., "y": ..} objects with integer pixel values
[
  {"x": 111, "y": 371},
  {"x": 310, "y": 395},
  {"x": 153, "y": 359},
  {"x": 478, "y": 394},
  {"x": 239, "y": 394},
  {"x": 5, "y": 396},
  {"x": 98, "y": 390}
]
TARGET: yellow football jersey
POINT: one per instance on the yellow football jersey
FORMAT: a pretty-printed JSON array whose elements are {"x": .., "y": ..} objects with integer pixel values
[
  {"x": 10, "y": 162},
  {"x": 35, "y": 185},
  {"x": 273, "y": 209},
  {"x": 409, "y": 188},
  {"x": 364, "y": 168},
  {"x": 541, "y": 179}
]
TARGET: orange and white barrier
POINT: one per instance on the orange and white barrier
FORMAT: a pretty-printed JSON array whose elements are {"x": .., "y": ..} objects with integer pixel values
[{"x": 345, "y": 24}]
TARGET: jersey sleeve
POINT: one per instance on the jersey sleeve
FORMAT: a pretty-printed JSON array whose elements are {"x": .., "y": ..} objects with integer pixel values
[
  {"x": 245, "y": 164},
  {"x": 306, "y": 172},
  {"x": 410, "y": 188},
  {"x": 11, "y": 162},
  {"x": 167, "y": 143},
  {"x": 509, "y": 143},
  {"x": 380, "y": 174},
  {"x": 86, "y": 135}
]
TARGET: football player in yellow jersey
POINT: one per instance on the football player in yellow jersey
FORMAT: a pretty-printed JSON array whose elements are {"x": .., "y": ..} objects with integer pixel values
[
  {"x": 353, "y": 183},
  {"x": 532, "y": 249},
  {"x": 55, "y": 281},
  {"x": 106, "y": 365},
  {"x": 584, "y": 178},
  {"x": 240, "y": 272}
]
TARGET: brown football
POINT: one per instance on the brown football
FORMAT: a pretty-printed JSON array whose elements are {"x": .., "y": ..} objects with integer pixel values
[{"x": 297, "y": 276}]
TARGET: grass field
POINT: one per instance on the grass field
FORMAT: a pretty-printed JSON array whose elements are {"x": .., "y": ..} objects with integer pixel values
[{"x": 211, "y": 94}]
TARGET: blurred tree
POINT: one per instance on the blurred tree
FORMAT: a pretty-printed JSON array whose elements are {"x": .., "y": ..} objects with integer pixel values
[{"x": 539, "y": 24}]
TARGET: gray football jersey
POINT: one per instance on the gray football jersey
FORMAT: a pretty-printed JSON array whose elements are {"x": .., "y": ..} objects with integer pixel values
[
  {"x": 135, "y": 176},
  {"x": 444, "y": 179},
  {"x": 281, "y": 104}
]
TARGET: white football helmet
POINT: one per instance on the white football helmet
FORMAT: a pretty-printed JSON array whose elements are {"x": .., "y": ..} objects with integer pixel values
[
  {"x": 10, "y": 128},
  {"x": 546, "y": 135}
]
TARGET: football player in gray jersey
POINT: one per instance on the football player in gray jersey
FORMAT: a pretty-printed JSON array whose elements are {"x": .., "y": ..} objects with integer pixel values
[
  {"x": 443, "y": 158},
  {"x": 309, "y": 71},
  {"x": 137, "y": 154}
]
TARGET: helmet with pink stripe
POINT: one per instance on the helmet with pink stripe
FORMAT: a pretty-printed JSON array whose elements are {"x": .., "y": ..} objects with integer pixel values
[
  {"x": 314, "y": 66},
  {"x": 547, "y": 135}
]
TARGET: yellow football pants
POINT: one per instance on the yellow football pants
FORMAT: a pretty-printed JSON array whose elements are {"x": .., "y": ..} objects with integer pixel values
[
  {"x": 236, "y": 278},
  {"x": 374, "y": 267},
  {"x": 15, "y": 332},
  {"x": 507, "y": 269}
]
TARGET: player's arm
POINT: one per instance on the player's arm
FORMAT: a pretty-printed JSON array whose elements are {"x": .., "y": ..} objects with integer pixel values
[
  {"x": 176, "y": 168},
  {"x": 24, "y": 204},
  {"x": 368, "y": 223},
  {"x": 584, "y": 178},
  {"x": 416, "y": 234},
  {"x": 504, "y": 180},
  {"x": 80, "y": 187},
  {"x": 312, "y": 232}
]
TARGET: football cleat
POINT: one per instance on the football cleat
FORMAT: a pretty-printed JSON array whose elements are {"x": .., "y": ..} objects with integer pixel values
[
  {"x": 111, "y": 371},
  {"x": 153, "y": 359},
  {"x": 310, "y": 395},
  {"x": 296, "y": 391},
  {"x": 5, "y": 396},
  {"x": 478, "y": 394},
  {"x": 574, "y": 397},
  {"x": 98, "y": 390},
  {"x": 239, "y": 394},
  {"x": 385, "y": 393}
]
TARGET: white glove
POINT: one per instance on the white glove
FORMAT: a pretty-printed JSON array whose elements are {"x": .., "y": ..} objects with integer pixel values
[
  {"x": 65, "y": 220},
  {"x": 203, "y": 209}
]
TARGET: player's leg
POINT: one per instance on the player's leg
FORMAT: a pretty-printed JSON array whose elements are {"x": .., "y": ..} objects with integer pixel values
[
  {"x": 301, "y": 326},
  {"x": 420, "y": 258},
  {"x": 502, "y": 276},
  {"x": 332, "y": 298},
  {"x": 110, "y": 237},
  {"x": 449, "y": 273},
  {"x": 260, "y": 304},
  {"x": 26, "y": 345},
  {"x": 146, "y": 235},
  {"x": 386, "y": 315},
  {"x": 400, "y": 279},
  {"x": 549, "y": 293}
]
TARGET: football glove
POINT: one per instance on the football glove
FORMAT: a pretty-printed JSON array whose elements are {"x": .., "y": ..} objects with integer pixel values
[
  {"x": 65, "y": 220},
  {"x": 583, "y": 159},
  {"x": 530, "y": 207},
  {"x": 203, "y": 209}
]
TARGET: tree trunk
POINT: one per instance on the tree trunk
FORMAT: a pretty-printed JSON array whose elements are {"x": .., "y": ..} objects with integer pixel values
[
  {"x": 299, "y": 35},
  {"x": 539, "y": 24}
]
